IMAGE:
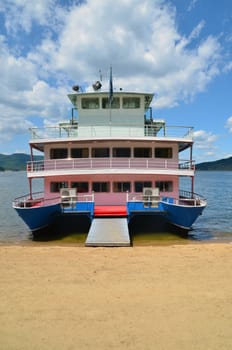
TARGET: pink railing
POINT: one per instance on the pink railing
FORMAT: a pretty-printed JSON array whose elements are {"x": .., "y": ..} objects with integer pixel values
[{"x": 110, "y": 163}]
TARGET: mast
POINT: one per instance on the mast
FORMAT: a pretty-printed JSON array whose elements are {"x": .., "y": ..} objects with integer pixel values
[{"x": 110, "y": 95}]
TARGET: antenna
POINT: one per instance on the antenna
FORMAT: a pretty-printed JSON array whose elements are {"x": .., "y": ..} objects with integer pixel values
[{"x": 100, "y": 74}]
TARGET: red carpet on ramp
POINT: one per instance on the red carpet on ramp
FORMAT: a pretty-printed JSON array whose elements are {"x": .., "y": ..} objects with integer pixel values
[{"x": 110, "y": 210}]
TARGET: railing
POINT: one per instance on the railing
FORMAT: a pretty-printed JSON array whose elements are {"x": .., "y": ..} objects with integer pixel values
[
  {"x": 190, "y": 198},
  {"x": 37, "y": 198},
  {"x": 185, "y": 198},
  {"x": 107, "y": 163},
  {"x": 73, "y": 131}
]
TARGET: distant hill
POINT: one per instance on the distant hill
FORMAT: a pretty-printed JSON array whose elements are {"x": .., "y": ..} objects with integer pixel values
[
  {"x": 221, "y": 164},
  {"x": 16, "y": 161}
]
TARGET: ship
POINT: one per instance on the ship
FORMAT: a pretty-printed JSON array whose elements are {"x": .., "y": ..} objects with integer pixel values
[{"x": 111, "y": 167}]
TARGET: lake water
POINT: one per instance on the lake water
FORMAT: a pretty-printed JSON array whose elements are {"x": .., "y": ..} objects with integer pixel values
[{"x": 214, "y": 225}]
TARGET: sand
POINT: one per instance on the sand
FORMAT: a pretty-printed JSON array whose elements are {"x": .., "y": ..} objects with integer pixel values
[{"x": 161, "y": 297}]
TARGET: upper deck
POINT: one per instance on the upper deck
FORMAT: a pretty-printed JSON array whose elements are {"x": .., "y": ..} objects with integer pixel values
[{"x": 127, "y": 116}]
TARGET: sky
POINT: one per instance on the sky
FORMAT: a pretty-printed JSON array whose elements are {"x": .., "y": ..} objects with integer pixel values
[{"x": 181, "y": 50}]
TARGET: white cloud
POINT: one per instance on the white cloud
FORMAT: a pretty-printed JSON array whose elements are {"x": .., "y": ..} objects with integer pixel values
[
  {"x": 23, "y": 95},
  {"x": 139, "y": 39},
  {"x": 229, "y": 124},
  {"x": 21, "y": 14},
  {"x": 146, "y": 51},
  {"x": 205, "y": 147},
  {"x": 204, "y": 140}
]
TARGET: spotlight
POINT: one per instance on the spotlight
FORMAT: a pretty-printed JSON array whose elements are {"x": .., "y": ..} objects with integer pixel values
[{"x": 97, "y": 85}]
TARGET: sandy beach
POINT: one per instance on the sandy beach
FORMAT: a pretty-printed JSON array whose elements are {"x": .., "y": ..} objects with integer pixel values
[{"x": 159, "y": 297}]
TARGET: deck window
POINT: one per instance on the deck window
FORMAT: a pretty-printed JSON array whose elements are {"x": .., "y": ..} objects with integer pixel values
[
  {"x": 139, "y": 185},
  {"x": 90, "y": 103},
  {"x": 163, "y": 152},
  {"x": 122, "y": 152},
  {"x": 80, "y": 186},
  {"x": 58, "y": 153},
  {"x": 101, "y": 186},
  {"x": 114, "y": 104},
  {"x": 131, "y": 102},
  {"x": 142, "y": 152},
  {"x": 79, "y": 152},
  {"x": 121, "y": 186},
  {"x": 56, "y": 186},
  {"x": 164, "y": 186},
  {"x": 100, "y": 152}
]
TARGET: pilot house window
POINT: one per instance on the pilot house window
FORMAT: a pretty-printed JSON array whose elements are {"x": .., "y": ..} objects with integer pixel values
[
  {"x": 90, "y": 103},
  {"x": 131, "y": 102},
  {"x": 114, "y": 104}
]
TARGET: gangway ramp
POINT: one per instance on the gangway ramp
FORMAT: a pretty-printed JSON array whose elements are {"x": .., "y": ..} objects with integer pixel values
[{"x": 108, "y": 232}]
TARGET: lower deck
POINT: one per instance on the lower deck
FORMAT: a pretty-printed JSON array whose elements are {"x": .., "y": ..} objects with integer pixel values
[{"x": 114, "y": 189}]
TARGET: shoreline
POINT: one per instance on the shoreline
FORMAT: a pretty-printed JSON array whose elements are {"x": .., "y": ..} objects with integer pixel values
[
  {"x": 153, "y": 297},
  {"x": 137, "y": 243}
]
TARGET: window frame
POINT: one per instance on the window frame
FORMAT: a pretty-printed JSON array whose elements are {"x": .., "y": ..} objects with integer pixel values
[
  {"x": 82, "y": 151},
  {"x": 115, "y": 149},
  {"x": 59, "y": 155},
  {"x": 90, "y": 103},
  {"x": 143, "y": 184},
  {"x": 131, "y": 102},
  {"x": 149, "y": 149},
  {"x": 123, "y": 186},
  {"x": 168, "y": 155},
  {"x": 115, "y": 104},
  {"x": 101, "y": 185},
  {"x": 164, "y": 186},
  {"x": 79, "y": 184},
  {"x": 57, "y": 186}
]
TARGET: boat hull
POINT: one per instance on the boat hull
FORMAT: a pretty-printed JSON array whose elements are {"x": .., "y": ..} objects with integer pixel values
[
  {"x": 180, "y": 217},
  {"x": 38, "y": 218},
  {"x": 163, "y": 218}
]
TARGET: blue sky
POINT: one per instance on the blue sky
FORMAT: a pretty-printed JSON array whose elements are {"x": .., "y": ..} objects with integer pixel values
[{"x": 179, "y": 49}]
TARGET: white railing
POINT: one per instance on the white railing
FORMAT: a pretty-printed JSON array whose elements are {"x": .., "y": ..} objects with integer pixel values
[
  {"x": 30, "y": 200},
  {"x": 185, "y": 198},
  {"x": 73, "y": 131}
]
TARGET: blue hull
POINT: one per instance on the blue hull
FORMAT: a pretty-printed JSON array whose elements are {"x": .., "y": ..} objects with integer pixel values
[
  {"x": 180, "y": 216},
  {"x": 39, "y": 217}
]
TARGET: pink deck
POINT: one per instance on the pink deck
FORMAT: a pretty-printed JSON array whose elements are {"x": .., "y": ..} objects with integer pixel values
[{"x": 110, "y": 210}]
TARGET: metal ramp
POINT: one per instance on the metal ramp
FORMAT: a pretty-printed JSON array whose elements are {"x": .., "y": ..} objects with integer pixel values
[{"x": 108, "y": 232}]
